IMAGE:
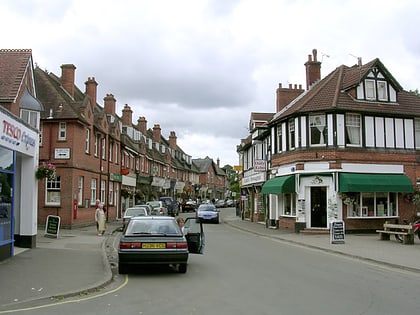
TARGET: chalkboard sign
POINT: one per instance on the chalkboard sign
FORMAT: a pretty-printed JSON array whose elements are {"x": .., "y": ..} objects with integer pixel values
[
  {"x": 337, "y": 232},
  {"x": 53, "y": 226}
]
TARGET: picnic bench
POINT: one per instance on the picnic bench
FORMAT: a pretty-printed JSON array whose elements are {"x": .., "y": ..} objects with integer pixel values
[{"x": 405, "y": 230}]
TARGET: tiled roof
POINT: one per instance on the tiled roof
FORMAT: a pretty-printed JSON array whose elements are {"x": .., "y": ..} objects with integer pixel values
[
  {"x": 13, "y": 64},
  {"x": 331, "y": 93},
  {"x": 55, "y": 99}
]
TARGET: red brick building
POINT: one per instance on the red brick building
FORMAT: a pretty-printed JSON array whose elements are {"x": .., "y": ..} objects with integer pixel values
[
  {"x": 346, "y": 148},
  {"x": 100, "y": 156}
]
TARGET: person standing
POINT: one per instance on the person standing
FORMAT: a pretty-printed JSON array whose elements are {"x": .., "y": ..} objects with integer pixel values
[{"x": 100, "y": 219}]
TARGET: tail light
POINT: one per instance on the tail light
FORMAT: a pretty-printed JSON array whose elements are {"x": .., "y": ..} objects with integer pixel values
[
  {"x": 177, "y": 245},
  {"x": 130, "y": 245}
]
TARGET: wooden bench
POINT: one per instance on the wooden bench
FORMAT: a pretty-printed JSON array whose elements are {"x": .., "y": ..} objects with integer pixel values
[{"x": 405, "y": 230}]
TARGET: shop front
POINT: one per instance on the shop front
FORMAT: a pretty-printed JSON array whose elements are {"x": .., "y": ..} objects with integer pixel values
[{"x": 18, "y": 188}]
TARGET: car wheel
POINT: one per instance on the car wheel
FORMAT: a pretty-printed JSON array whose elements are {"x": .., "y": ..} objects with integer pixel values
[
  {"x": 182, "y": 268},
  {"x": 122, "y": 269}
]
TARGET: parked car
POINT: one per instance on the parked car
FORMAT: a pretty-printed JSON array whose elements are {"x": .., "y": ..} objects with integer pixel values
[
  {"x": 171, "y": 204},
  {"x": 190, "y": 205},
  {"x": 220, "y": 203},
  {"x": 149, "y": 207},
  {"x": 208, "y": 212},
  {"x": 230, "y": 203},
  {"x": 158, "y": 207},
  {"x": 134, "y": 212},
  {"x": 151, "y": 240}
]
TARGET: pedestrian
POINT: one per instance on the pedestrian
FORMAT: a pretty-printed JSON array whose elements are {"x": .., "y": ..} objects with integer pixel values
[
  {"x": 96, "y": 214},
  {"x": 100, "y": 219}
]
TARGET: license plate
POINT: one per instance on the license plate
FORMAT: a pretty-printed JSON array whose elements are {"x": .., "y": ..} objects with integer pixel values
[{"x": 153, "y": 245}]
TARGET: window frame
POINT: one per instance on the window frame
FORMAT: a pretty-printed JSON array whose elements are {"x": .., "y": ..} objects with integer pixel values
[
  {"x": 53, "y": 191},
  {"x": 62, "y": 131},
  {"x": 93, "y": 191},
  {"x": 80, "y": 191},
  {"x": 314, "y": 126},
  {"x": 292, "y": 132},
  {"x": 349, "y": 118},
  {"x": 87, "y": 141}
]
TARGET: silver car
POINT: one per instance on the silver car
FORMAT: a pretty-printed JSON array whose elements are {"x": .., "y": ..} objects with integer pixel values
[
  {"x": 208, "y": 212},
  {"x": 158, "y": 208},
  {"x": 134, "y": 212}
]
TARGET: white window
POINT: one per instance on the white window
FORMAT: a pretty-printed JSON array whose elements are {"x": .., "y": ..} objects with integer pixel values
[
  {"x": 417, "y": 132},
  {"x": 29, "y": 116},
  {"x": 382, "y": 91},
  {"x": 93, "y": 189},
  {"x": 87, "y": 141},
  {"x": 279, "y": 138},
  {"x": 116, "y": 153},
  {"x": 111, "y": 193},
  {"x": 103, "y": 191},
  {"x": 103, "y": 148},
  {"x": 318, "y": 130},
  {"x": 97, "y": 139},
  {"x": 289, "y": 206},
  {"x": 111, "y": 148},
  {"x": 53, "y": 192},
  {"x": 291, "y": 134},
  {"x": 370, "y": 89},
  {"x": 80, "y": 191},
  {"x": 371, "y": 204},
  {"x": 40, "y": 134},
  {"x": 353, "y": 129},
  {"x": 62, "y": 131}
]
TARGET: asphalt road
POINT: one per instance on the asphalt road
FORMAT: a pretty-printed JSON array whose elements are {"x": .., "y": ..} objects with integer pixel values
[{"x": 241, "y": 273}]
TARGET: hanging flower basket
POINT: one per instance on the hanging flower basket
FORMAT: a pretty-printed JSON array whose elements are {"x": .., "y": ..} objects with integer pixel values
[
  {"x": 126, "y": 193},
  {"x": 46, "y": 170}
]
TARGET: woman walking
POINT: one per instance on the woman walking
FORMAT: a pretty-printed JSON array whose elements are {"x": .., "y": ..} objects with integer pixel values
[{"x": 100, "y": 219}]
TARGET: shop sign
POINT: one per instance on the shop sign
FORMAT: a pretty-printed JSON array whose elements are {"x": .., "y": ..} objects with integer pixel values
[
  {"x": 337, "y": 232},
  {"x": 16, "y": 136},
  {"x": 259, "y": 166},
  {"x": 115, "y": 177},
  {"x": 53, "y": 226}
]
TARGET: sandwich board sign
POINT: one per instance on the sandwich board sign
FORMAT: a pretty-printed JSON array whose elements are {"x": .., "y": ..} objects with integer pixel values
[
  {"x": 53, "y": 226},
  {"x": 337, "y": 232}
]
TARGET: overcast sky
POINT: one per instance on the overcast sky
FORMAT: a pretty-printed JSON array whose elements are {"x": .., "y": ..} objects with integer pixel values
[{"x": 198, "y": 67}]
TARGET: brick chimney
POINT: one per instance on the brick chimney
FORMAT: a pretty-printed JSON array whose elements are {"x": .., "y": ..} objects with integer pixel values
[
  {"x": 156, "y": 133},
  {"x": 172, "y": 140},
  {"x": 218, "y": 162},
  {"x": 127, "y": 116},
  {"x": 286, "y": 95},
  {"x": 110, "y": 104},
  {"x": 91, "y": 89},
  {"x": 142, "y": 125},
  {"x": 313, "y": 69},
  {"x": 67, "y": 77}
]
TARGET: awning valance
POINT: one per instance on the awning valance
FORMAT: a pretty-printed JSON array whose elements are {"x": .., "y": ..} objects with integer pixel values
[
  {"x": 279, "y": 185},
  {"x": 355, "y": 182}
]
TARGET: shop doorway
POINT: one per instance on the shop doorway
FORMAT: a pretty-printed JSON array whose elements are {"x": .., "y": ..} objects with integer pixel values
[{"x": 319, "y": 207}]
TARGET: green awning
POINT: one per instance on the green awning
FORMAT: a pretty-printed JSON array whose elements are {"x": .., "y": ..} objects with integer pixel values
[
  {"x": 279, "y": 185},
  {"x": 355, "y": 182}
]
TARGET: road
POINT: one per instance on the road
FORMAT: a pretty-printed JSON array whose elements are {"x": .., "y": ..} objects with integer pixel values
[{"x": 241, "y": 273}]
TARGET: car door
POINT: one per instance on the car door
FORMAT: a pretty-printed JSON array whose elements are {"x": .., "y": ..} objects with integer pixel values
[{"x": 195, "y": 235}]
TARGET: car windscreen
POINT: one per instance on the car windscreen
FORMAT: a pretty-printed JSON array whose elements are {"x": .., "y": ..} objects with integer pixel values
[
  {"x": 154, "y": 203},
  {"x": 206, "y": 208},
  {"x": 152, "y": 227}
]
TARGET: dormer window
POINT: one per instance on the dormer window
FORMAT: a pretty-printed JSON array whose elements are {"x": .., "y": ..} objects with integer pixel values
[{"x": 376, "y": 88}]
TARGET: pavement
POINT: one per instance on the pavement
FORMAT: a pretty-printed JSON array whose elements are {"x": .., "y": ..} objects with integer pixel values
[{"x": 79, "y": 261}]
